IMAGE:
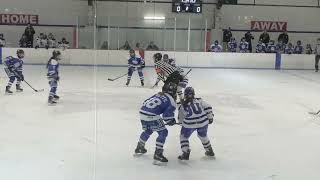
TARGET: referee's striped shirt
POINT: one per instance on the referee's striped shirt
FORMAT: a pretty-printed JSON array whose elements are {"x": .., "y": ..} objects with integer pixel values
[{"x": 164, "y": 70}]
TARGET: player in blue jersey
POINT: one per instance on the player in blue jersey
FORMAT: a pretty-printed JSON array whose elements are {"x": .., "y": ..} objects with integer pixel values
[
  {"x": 53, "y": 76},
  {"x": 244, "y": 46},
  {"x": 159, "y": 104},
  {"x": 232, "y": 45},
  {"x": 14, "y": 70},
  {"x": 298, "y": 49},
  {"x": 261, "y": 47},
  {"x": 168, "y": 60},
  {"x": 135, "y": 63},
  {"x": 195, "y": 115},
  {"x": 289, "y": 49},
  {"x": 215, "y": 47},
  {"x": 271, "y": 48}
]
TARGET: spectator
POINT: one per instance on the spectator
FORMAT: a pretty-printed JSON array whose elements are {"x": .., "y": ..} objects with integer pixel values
[
  {"x": 298, "y": 49},
  {"x": 289, "y": 49},
  {"x": 264, "y": 37},
  {"x": 29, "y": 32},
  {"x": 232, "y": 45},
  {"x": 63, "y": 44},
  {"x": 42, "y": 41},
  {"x": 317, "y": 52},
  {"x": 227, "y": 34},
  {"x": 152, "y": 47},
  {"x": 271, "y": 47},
  {"x": 126, "y": 46},
  {"x": 2, "y": 41},
  {"x": 249, "y": 37},
  {"x": 138, "y": 46},
  {"x": 23, "y": 42},
  {"x": 52, "y": 41},
  {"x": 215, "y": 47},
  {"x": 280, "y": 47},
  {"x": 104, "y": 45},
  {"x": 309, "y": 49},
  {"x": 261, "y": 47},
  {"x": 244, "y": 45},
  {"x": 284, "y": 37}
]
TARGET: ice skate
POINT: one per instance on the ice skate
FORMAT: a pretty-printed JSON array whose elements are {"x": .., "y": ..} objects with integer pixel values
[{"x": 159, "y": 159}]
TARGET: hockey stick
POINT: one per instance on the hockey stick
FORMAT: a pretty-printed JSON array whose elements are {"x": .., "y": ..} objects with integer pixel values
[
  {"x": 117, "y": 77},
  {"x": 159, "y": 79},
  {"x": 40, "y": 90},
  {"x": 166, "y": 124},
  {"x": 36, "y": 90},
  {"x": 314, "y": 113}
]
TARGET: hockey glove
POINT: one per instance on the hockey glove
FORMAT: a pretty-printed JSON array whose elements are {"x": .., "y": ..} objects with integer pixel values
[
  {"x": 171, "y": 122},
  {"x": 143, "y": 65},
  {"x": 210, "y": 121},
  {"x": 21, "y": 77}
]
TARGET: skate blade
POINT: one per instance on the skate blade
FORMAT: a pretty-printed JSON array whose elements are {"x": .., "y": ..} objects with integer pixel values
[
  {"x": 159, "y": 163},
  {"x": 8, "y": 93},
  {"x": 52, "y": 104},
  {"x": 209, "y": 157},
  {"x": 138, "y": 154}
]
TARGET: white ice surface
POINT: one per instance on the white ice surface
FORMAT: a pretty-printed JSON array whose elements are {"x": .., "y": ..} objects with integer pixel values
[{"x": 262, "y": 128}]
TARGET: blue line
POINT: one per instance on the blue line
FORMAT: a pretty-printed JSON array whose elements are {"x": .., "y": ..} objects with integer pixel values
[
  {"x": 278, "y": 61},
  {"x": 0, "y": 55}
]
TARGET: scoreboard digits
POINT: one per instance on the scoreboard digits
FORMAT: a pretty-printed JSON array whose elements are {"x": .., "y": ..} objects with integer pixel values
[{"x": 187, "y": 6}]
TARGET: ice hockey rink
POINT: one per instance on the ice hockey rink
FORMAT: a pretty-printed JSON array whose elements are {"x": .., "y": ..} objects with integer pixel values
[{"x": 262, "y": 129}]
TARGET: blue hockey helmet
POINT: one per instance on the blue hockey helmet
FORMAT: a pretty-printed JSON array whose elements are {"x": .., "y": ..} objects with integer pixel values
[
  {"x": 216, "y": 42},
  {"x": 189, "y": 93}
]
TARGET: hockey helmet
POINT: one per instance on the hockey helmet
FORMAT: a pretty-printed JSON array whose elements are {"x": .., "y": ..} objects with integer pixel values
[
  {"x": 189, "y": 93},
  {"x": 132, "y": 53},
  {"x": 56, "y": 54},
  {"x": 157, "y": 57},
  {"x": 20, "y": 53},
  {"x": 170, "y": 88}
]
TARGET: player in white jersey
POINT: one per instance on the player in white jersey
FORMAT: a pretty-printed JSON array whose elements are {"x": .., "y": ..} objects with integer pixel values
[{"x": 195, "y": 115}]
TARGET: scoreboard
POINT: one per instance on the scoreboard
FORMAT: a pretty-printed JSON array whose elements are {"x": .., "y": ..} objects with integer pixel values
[{"x": 187, "y": 6}]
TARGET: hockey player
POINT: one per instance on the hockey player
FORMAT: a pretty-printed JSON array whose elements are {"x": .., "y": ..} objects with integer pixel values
[
  {"x": 195, "y": 115},
  {"x": 232, "y": 45},
  {"x": 244, "y": 46},
  {"x": 159, "y": 104},
  {"x": 53, "y": 76},
  {"x": 299, "y": 48},
  {"x": 215, "y": 47},
  {"x": 168, "y": 60},
  {"x": 271, "y": 48},
  {"x": 135, "y": 63},
  {"x": 261, "y": 47},
  {"x": 289, "y": 49},
  {"x": 14, "y": 70},
  {"x": 168, "y": 73}
]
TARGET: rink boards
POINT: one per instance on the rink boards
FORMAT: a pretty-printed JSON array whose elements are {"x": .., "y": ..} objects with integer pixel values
[{"x": 186, "y": 59}]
